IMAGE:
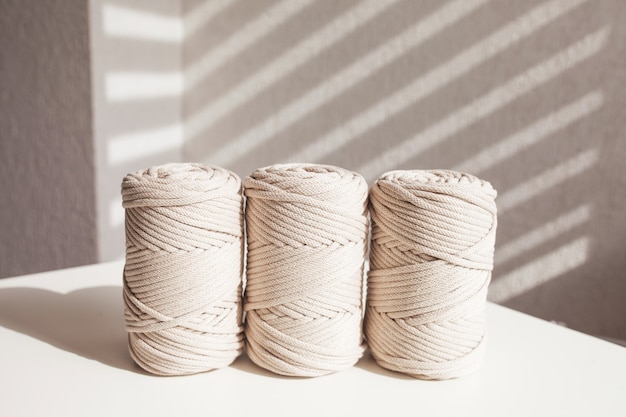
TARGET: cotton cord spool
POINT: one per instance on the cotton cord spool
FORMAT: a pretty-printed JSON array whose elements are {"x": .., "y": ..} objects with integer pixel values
[
  {"x": 184, "y": 264},
  {"x": 307, "y": 230},
  {"x": 433, "y": 237}
]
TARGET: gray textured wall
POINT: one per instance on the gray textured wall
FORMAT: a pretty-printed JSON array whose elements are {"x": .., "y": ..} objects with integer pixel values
[
  {"x": 137, "y": 124},
  {"x": 530, "y": 95},
  {"x": 47, "y": 208}
]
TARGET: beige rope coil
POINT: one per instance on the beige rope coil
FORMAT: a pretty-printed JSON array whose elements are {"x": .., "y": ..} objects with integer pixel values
[
  {"x": 433, "y": 237},
  {"x": 184, "y": 264},
  {"x": 307, "y": 230}
]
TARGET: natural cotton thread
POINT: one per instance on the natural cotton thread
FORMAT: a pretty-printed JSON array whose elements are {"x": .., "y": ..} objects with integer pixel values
[
  {"x": 307, "y": 230},
  {"x": 433, "y": 236},
  {"x": 184, "y": 264}
]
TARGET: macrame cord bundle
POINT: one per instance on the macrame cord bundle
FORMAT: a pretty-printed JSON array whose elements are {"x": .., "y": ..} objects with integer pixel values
[
  {"x": 183, "y": 271},
  {"x": 307, "y": 230},
  {"x": 433, "y": 237}
]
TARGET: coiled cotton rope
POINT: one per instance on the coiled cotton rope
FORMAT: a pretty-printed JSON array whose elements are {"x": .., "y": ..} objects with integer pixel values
[
  {"x": 433, "y": 236},
  {"x": 307, "y": 230},
  {"x": 184, "y": 264}
]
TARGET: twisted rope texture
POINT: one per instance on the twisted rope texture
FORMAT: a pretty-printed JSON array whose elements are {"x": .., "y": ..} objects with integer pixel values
[
  {"x": 184, "y": 262},
  {"x": 433, "y": 237},
  {"x": 306, "y": 228}
]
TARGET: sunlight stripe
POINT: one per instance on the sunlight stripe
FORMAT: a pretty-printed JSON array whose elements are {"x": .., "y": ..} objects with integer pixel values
[
  {"x": 241, "y": 39},
  {"x": 437, "y": 78},
  {"x": 548, "y": 179},
  {"x": 540, "y": 271},
  {"x": 197, "y": 18},
  {"x": 540, "y": 235},
  {"x": 346, "y": 78},
  {"x": 487, "y": 104},
  {"x": 532, "y": 134},
  {"x": 125, "y": 22},
  {"x": 287, "y": 63}
]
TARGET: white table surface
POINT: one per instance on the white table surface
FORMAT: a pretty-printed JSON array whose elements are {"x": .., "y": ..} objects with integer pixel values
[{"x": 63, "y": 352}]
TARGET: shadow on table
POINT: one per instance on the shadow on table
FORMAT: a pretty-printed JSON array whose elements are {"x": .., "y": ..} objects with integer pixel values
[
  {"x": 367, "y": 363},
  {"x": 245, "y": 364},
  {"x": 88, "y": 322}
]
